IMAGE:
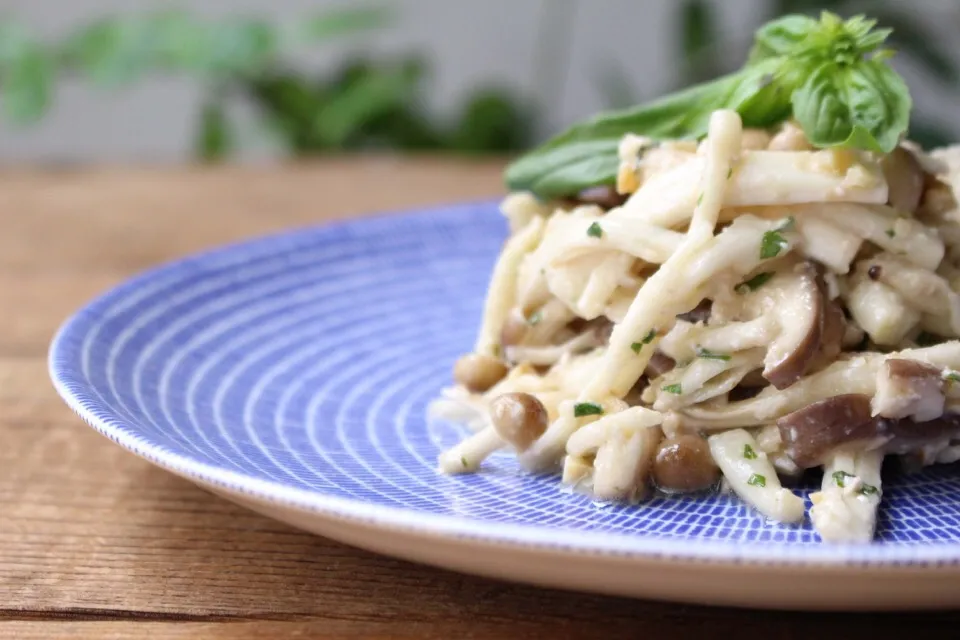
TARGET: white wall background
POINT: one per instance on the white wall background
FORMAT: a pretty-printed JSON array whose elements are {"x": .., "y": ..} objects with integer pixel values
[{"x": 467, "y": 43}]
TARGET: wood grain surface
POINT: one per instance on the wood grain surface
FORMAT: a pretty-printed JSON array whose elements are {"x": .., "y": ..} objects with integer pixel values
[{"x": 95, "y": 543}]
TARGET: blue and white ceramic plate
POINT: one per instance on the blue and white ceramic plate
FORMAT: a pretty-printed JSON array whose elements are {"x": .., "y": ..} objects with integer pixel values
[{"x": 292, "y": 374}]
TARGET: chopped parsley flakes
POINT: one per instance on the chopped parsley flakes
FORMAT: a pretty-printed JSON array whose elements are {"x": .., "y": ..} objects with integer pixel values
[
  {"x": 463, "y": 461},
  {"x": 773, "y": 241},
  {"x": 772, "y": 244},
  {"x": 952, "y": 376},
  {"x": 535, "y": 318},
  {"x": 595, "y": 230},
  {"x": 749, "y": 453},
  {"x": 673, "y": 388},
  {"x": 710, "y": 355},
  {"x": 754, "y": 283},
  {"x": 757, "y": 480},
  {"x": 587, "y": 409},
  {"x": 869, "y": 490},
  {"x": 647, "y": 339},
  {"x": 890, "y": 233},
  {"x": 840, "y": 478}
]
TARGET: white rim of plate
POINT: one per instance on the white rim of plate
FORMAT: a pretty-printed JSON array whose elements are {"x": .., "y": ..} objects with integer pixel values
[{"x": 70, "y": 386}]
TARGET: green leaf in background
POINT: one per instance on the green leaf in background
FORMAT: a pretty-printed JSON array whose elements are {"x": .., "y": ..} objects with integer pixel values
[
  {"x": 112, "y": 52},
  {"x": 179, "y": 41},
  {"x": 290, "y": 105},
  {"x": 14, "y": 41},
  {"x": 698, "y": 36},
  {"x": 27, "y": 85},
  {"x": 215, "y": 138},
  {"x": 244, "y": 46},
  {"x": 339, "y": 22},
  {"x": 492, "y": 121},
  {"x": 371, "y": 94}
]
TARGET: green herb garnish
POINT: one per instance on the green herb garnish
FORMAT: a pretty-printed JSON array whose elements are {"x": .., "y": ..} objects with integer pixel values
[
  {"x": 830, "y": 75},
  {"x": 534, "y": 318},
  {"x": 757, "y": 480},
  {"x": 647, "y": 339},
  {"x": 729, "y": 173},
  {"x": 749, "y": 453},
  {"x": 595, "y": 230},
  {"x": 673, "y": 388},
  {"x": 754, "y": 283},
  {"x": 869, "y": 490},
  {"x": 890, "y": 233},
  {"x": 587, "y": 409},
  {"x": 699, "y": 199},
  {"x": 710, "y": 355},
  {"x": 772, "y": 244},
  {"x": 840, "y": 478},
  {"x": 463, "y": 461}
]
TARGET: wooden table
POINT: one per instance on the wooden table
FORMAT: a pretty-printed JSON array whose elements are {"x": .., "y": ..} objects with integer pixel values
[{"x": 96, "y": 543}]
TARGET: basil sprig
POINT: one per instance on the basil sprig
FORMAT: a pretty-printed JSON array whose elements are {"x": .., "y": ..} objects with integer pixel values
[{"x": 829, "y": 74}]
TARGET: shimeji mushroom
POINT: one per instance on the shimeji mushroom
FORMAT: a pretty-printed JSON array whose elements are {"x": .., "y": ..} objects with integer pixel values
[
  {"x": 798, "y": 305},
  {"x": 517, "y": 420},
  {"x": 906, "y": 180},
  {"x": 814, "y": 433},
  {"x": 752, "y": 476},
  {"x": 909, "y": 389},
  {"x": 845, "y": 509},
  {"x": 622, "y": 446},
  {"x": 683, "y": 464}
]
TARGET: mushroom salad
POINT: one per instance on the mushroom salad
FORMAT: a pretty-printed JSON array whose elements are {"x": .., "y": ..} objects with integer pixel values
[{"x": 726, "y": 287}]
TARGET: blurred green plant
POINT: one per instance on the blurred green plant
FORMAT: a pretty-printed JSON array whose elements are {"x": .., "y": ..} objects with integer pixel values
[
  {"x": 366, "y": 103},
  {"x": 706, "y": 53}
]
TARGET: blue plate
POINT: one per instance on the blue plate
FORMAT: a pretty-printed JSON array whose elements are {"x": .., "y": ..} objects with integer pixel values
[{"x": 293, "y": 374}]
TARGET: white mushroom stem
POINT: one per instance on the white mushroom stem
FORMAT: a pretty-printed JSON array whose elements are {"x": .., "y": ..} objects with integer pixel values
[
  {"x": 467, "y": 456},
  {"x": 623, "y": 445},
  {"x": 855, "y": 375},
  {"x": 753, "y": 477},
  {"x": 848, "y": 513},
  {"x": 622, "y": 464}
]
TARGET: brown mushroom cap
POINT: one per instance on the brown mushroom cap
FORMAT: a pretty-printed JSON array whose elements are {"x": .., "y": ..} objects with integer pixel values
[
  {"x": 800, "y": 308},
  {"x": 909, "y": 388},
  {"x": 659, "y": 364},
  {"x": 478, "y": 372},
  {"x": 700, "y": 313},
  {"x": 519, "y": 419},
  {"x": 905, "y": 179},
  {"x": 604, "y": 196},
  {"x": 809, "y": 434},
  {"x": 684, "y": 464}
]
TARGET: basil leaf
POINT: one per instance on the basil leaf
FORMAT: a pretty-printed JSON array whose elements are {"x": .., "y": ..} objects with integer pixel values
[
  {"x": 781, "y": 37},
  {"x": 586, "y": 155},
  {"x": 866, "y": 106}
]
